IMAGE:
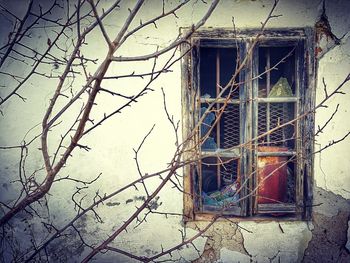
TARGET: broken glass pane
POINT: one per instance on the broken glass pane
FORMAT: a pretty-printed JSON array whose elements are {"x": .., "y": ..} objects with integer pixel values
[{"x": 209, "y": 143}]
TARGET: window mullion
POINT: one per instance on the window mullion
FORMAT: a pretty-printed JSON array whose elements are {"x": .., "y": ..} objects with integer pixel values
[
  {"x": 298, "y": 83},
  {"x": 196, "y": 113},
  {"x": 255, "y": 103},
  {"x": 246, "y": 132}
]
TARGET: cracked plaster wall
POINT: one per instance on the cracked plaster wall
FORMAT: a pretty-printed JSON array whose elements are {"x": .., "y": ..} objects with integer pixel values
[{"x": 325, "y": 238}]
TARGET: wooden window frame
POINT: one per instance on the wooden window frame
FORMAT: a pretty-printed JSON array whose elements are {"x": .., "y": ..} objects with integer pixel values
[{"x": 303, "y": 39}]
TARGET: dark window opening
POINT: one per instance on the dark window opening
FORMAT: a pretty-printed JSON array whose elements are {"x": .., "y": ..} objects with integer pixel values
[{"x": 251, "y": 140}]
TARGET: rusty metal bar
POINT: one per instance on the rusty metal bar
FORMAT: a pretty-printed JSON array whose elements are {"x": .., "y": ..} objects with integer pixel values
[{"x": 218, "y": 107}]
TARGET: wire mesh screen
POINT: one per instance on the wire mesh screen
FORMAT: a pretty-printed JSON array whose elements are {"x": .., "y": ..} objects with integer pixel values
[
  {"x": 229, "y": 126},
  {"x": 262, "y": 122},
  {"x": 273, "y": 115}
]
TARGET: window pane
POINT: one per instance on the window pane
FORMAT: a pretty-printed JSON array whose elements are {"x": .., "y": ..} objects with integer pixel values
[
  {"x": 281, "y": 113},
  {"x": 279, "y": 81},
  {"x": 262, "y": 68},
  {"x": 208, "y": 72},
  {"x": 291, "y": 182},
  {"x": 229, "y": 127},
  {"x": 219, "y": 181},
  {"x": 208, "y": 130},
  {"x": 209, "y": 175},
  {"x": 272, "y": 115},
  {"x": 285, "y": 69},
  {"x": 217, "y": 66},
  {"x": 276, "y": 178},
  {"x": 228, "y": 61},
  {"x": 262, "y": 123}
]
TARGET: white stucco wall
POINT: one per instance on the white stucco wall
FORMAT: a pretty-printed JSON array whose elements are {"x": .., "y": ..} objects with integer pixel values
[{"x": 112, "y": 144}]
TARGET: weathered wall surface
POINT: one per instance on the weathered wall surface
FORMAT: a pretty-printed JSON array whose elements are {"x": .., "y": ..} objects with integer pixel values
[{"x": 324, "y": 239}]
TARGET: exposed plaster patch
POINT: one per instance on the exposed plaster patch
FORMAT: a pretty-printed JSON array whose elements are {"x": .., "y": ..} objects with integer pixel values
[
  {"x": 328, "y": 239},
  {"x": 222, "y": 235},
  {"x": 329, "y": 236},
  {"x": 328, "y": 203}
]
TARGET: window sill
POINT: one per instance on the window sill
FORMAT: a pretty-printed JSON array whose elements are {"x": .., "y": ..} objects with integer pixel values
[{"x": 206, "y": 217}]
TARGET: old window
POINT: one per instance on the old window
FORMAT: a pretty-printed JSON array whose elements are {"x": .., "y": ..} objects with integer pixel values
[{"x": 244, "y": 106}]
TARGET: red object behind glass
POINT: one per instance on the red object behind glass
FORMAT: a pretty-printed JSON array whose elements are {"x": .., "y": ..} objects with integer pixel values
[{"x": 272, "y": 176}]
